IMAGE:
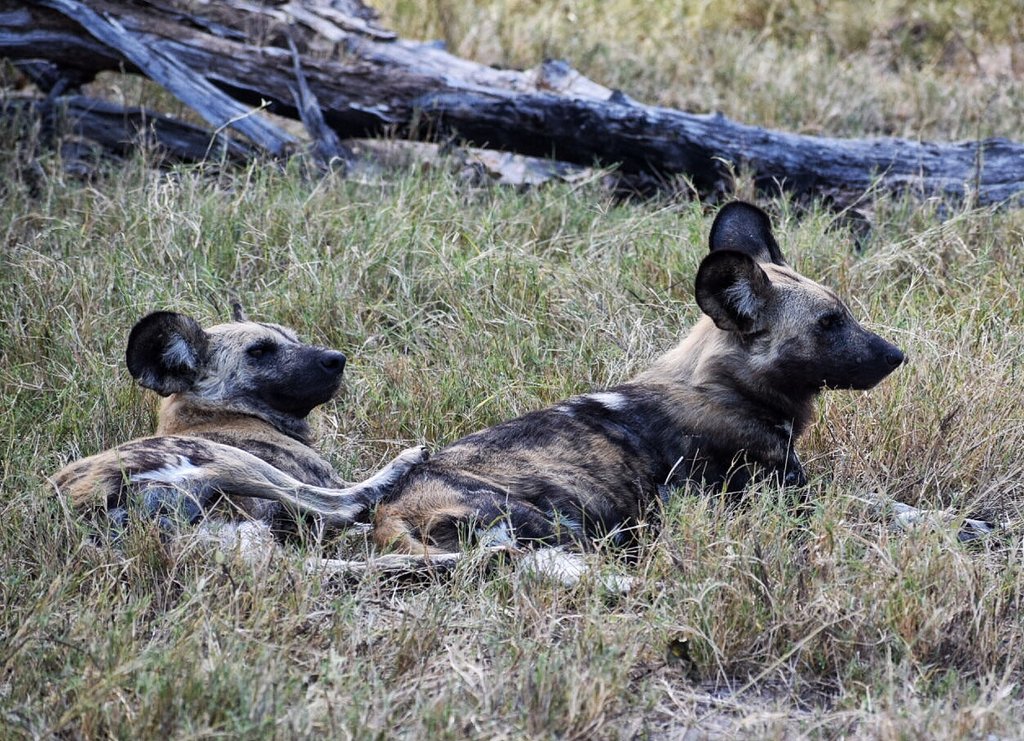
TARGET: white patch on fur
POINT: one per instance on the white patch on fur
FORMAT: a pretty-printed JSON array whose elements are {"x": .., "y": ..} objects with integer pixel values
[
  {"x": 251, "y": 540},
  {"x": 568, "y": 568},
  {"x": 180, "y": 354},
  {"x": 567, "y": 523},
  {"x": 499, "y": 535},
  {"x": 173, "y": 473},
  {"x": 559, "y": 565},
  {"x": 610, "y": 399},
  {"x": 742, "y": 299}
]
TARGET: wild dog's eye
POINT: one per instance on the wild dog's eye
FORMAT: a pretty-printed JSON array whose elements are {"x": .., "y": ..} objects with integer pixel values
[
  {"x": 831, "y": 321},
  {"x": 260, "y": 349}
]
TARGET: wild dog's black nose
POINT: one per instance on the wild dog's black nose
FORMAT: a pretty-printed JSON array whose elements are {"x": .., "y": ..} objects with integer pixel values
[
  {"x": 894, "y": 357},
  {"x": 332, "y": 361}
]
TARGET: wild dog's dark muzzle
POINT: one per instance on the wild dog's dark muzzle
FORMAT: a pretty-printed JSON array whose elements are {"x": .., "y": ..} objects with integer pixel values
[
  {"x": 306, "y": 379},
  {"x": 877, "y": 360},
  {"x": 321, "y": 370},
  {"x": 887, "y": 354}
]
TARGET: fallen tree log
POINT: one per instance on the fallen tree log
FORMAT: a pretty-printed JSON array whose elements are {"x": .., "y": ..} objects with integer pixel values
[
  {"x": 118, "y": 129},
  {"x": 367, "y": 83}
]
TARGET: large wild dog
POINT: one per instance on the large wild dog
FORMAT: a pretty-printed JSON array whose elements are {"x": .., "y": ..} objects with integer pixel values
[
  {"x": 728, "y": 403},
  {"x": 232, "y": 436}
]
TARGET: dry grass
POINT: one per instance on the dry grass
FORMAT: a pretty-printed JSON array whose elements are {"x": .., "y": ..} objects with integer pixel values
[
  {"x": 461, "y": 306},
  {"x": 938, "y": 70}
]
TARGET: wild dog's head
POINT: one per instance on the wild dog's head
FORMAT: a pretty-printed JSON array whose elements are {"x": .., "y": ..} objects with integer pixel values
[
  {"x": 792, "y": 336},
  {"x": 242, "y": 366}
]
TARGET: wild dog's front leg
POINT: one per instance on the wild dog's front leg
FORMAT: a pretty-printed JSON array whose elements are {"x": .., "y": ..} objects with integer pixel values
[
  {"x": 793, "y": 472},
  {"x": 556, "y": 564},
  {"x": 791, "y": 475},
  {"x": 905, "y": 518}
]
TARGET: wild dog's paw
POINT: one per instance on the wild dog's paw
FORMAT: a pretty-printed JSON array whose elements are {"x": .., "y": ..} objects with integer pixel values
[
  {"x": 792, "y": 473},
  {"x": 619, "y": 583},
  {"x": 569, "y": 568},
  {"x": 905, "y": 518},
  {"x": 973, "y": 529},
  {"x": 251, "y": 541},
  {"x": 795, "y": 478}
]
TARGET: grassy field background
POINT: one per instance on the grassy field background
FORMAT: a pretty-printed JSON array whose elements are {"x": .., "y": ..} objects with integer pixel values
[{"x": 462, "y": 305}]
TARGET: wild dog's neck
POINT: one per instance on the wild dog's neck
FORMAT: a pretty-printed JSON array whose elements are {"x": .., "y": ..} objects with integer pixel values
[
  {"x": 722, "y": 392},
  {"x": 179, "y": 414}
]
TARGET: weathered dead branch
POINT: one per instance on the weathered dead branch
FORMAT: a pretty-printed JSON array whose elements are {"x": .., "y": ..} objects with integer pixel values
[{"x": 227, "y": 60}]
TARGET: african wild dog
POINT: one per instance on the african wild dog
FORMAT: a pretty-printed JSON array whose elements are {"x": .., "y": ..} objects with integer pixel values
[
  {"x": 725, "y": 405},
  {"x": 232, "y": 436}
]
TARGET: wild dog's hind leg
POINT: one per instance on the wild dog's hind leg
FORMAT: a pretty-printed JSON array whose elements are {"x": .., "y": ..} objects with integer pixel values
[
  {"x": 391, "y": 563},
  {"x": 245, "y": 475}
]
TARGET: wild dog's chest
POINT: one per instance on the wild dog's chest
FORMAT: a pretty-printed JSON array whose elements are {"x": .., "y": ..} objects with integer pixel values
[
  {"x": 253, "y": 434},
  {"x": 719, "y": 460}
]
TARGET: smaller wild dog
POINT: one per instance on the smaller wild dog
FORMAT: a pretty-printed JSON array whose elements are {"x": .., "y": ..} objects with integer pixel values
[
  {"x": 232, "y": 440},
  {"x": 726, "y": 405}
]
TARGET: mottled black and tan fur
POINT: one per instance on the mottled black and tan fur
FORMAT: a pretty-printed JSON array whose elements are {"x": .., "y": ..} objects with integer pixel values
[
  {"x": 232, "y": 436},
  {"x": 728, "y": 403}
]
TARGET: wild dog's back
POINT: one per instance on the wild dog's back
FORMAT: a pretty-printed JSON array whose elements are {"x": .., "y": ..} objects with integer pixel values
[{"x": 571, "y": 472}]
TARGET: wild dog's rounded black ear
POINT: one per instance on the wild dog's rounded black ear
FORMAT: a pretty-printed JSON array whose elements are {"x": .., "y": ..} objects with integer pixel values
[
  {"x": 238, "y": 313},
  {"x": 744, "y": 227},
  {"x": 166, "y": 352},
  {"x": 733, "y": 290}
]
